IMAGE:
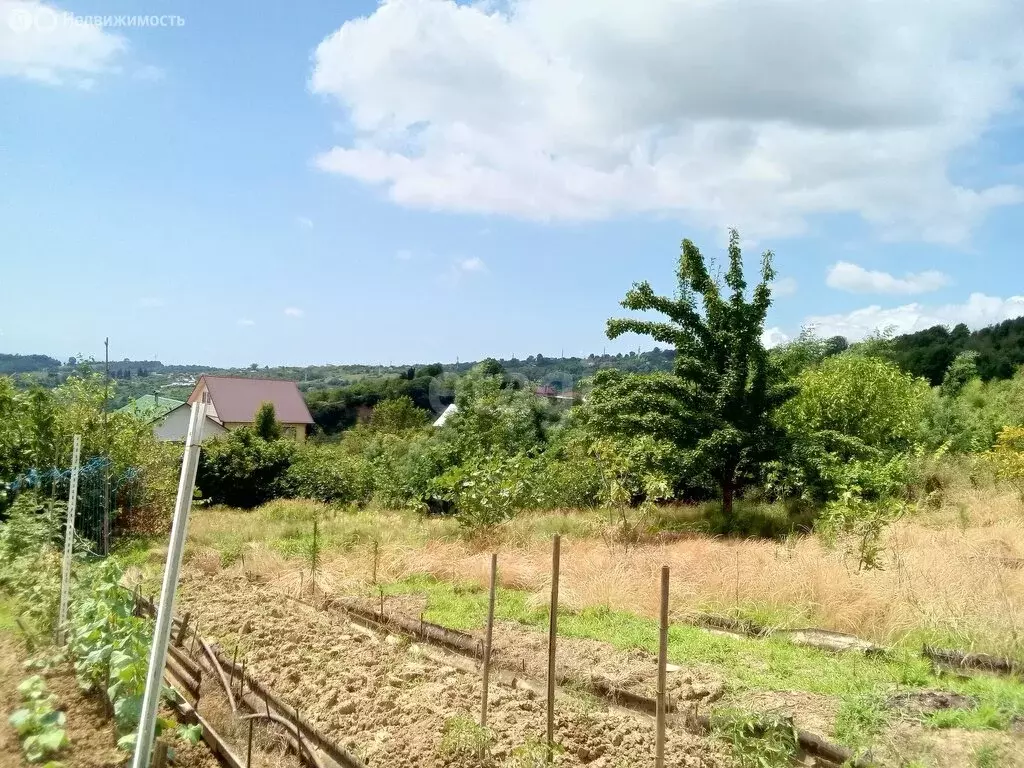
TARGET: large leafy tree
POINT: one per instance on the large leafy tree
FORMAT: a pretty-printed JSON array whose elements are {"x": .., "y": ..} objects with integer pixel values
[{"x": 727, "y": 387}]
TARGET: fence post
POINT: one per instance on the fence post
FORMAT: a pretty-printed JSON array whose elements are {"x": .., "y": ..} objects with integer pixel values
[
  {"x": 165, "y": 612},
  {"x": 487, "y": 641},
  {"x": 69, "y": 540},
  {"x": 552, "y": 643},
  {"x": 659, "y": 744}
]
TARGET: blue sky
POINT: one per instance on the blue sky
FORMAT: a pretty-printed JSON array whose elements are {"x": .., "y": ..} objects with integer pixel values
[{"x": 422, "y": 181}]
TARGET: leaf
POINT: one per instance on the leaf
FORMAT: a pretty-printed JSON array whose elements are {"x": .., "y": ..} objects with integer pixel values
[
  {"x": 21, "y": 720},
  {"x": 191, "y": 733},
  {"x": 53, "y": 740},
  {"x": 127, "y": 742}
]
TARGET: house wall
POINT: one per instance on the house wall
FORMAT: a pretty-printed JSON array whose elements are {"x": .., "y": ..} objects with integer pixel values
[
  {"x": 174, "y": 426},
  {"x": 296, "y": 432}
]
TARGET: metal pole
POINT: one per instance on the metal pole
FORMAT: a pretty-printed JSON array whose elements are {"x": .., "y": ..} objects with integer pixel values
[
  {"x": 552, "y": 642},
  {"x": 487, "y": 641},
  {"x": 659, "y": 744},
  {"x": 69, "y": 540},
  {"x": 106, "y": 438},
  {"x": 165, "y": 613}
]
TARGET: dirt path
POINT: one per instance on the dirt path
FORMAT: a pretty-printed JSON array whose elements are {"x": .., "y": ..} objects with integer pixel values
[{"x": 390, "y": 704}]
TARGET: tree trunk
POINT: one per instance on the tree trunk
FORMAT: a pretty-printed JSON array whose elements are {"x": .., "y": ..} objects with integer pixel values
[{"x": 728, "y": 490}]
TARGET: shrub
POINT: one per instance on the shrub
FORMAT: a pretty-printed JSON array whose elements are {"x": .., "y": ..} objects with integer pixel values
[
  {"x": 330, "y": 475},
  {"x": 486, "y": 492},
  {"x": 243, "y": 469}
]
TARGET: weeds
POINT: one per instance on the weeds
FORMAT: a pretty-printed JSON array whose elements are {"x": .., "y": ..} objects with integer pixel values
[
  {"x": 756, "y": 741},
  {"x": 859, "y": 720},
  {"x": 533, "y": 753},
  {"x": 463, "y": 738},
  {"x": 987, "y": 756}
]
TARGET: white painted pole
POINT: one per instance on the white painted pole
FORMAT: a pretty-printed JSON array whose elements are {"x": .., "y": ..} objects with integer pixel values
[
  {"x": 69, "y": 541},
  {"x": 165, "y": 611}
]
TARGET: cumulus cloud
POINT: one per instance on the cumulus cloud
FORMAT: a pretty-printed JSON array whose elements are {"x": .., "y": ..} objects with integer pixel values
[
  {"x": 584, "y": 109},
  {"x": 845, "y": 276},
  {"x": 293, "y": 312},
  {"x": 773, "y": 337},
  {"x": 44, "y": 43},
  {"x": 472, "y": 264},
  {"x": 978, "y": 311},
  {"x": 784, "y": 286}
]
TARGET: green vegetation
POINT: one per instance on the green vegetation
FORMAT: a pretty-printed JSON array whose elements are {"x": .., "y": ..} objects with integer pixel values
[
  {"x": 462, "y": 737},
  {"x": 38, "y": 722},
  {"x": 860, "y": 682},
  {"x": 756, "y": 741}
]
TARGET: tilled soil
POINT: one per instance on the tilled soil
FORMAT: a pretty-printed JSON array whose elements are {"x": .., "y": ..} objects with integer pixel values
[{"x": 390, "y": 704}]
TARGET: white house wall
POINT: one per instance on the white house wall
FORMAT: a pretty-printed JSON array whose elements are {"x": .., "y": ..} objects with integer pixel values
[{"x": 174, "y": 426}]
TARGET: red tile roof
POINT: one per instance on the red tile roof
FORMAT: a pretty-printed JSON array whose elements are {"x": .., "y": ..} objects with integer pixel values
[{"x": 237, "y": 399}]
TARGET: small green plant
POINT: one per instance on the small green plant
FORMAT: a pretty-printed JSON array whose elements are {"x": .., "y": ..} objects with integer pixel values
[
  {"x": 756, "y": 741},
  {"x": 462, "y": 737},
  {"x": 987, "y": 756},
  {"x": 859, "y": 720},
  {"x": 860, "y": 526},
  {"x": 533, "y": 753},
  {"x": 39, "y": 724}
]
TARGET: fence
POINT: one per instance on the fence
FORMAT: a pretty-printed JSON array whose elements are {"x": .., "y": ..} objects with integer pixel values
[{"x": 104, "y": 498}]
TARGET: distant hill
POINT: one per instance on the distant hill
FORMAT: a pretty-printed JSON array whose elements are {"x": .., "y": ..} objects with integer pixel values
[
  {"x": 929, "y": 352},
  {"x": 10, "y": 364},
  {"x": 926, "y": 353}
]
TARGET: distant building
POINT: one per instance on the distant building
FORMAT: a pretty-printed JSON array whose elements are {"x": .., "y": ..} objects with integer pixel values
[
  {"x": 169, "y": 418},
  {"x": 232, "y": 401},
  {"x": 446, "y": 414}
]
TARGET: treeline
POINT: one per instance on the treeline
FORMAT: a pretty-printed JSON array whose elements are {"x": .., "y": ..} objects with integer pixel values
[
  {"x": 11, "y": 364},
  {"x": 929, "y": 353}
]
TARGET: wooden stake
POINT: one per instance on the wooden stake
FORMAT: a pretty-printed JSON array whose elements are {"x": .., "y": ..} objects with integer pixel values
[
  {"x": 183, "y": 629},
  {"x": 160, "y": 755},
  {"x": 376, "y": 552},
  {"x": 487, "y": 641},
  {"x": 659, "y": 744},
  {"x": 552, "y": 643},
  {"x": 248, "y": 749}
]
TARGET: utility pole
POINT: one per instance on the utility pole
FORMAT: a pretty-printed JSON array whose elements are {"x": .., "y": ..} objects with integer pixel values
[{"x": 106, "y": 448}]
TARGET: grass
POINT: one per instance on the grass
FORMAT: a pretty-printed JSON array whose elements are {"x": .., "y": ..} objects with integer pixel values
[{"x": 861, "y": 683}]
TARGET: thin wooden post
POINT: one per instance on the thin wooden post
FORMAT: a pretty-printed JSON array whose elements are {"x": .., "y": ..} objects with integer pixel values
[
  {"x": 487, "y": 641},
  {"x": 552, "y": 643},
  {"x": 376, "y": 553},
  {"x": 160, "y": 755},
  {"x": 659, "y": 743},
  {"x": 183, "y": 629},
  {"x": 165, "y": 613},
  {"x": 69, "y": 540},
  {"x": 248, "y": 748}
]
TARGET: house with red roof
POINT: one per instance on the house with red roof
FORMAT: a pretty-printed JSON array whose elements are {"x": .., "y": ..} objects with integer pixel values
[{"x": 232, "y": 401}]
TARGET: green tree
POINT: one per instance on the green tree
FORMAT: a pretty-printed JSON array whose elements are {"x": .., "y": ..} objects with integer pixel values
[
  {"x": 397, "y": 415},
  {"x": 265, "y": 422},
  {"x": 963, "y": 368},
  {"x": 729, "y": 388}
]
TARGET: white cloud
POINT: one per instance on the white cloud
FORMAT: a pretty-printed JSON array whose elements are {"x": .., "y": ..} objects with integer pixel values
[
  {"x": 773, "y": 337},
  {"x": 150, "y": 302},
  {"x": 403, "y": 254},
  {"x": 294, "y": 312},
  {"x": 978, "y": 311},
  {"x": 845, "y": 276},
  {"x": 246, "y": 322},
  {"x": 304, "y": 222},
  {"x": 472, "y": 264},
  {"x": 784, "y": 286},
  {"x": 583, "y": 109},
  {"x": 45, "y": 43}
]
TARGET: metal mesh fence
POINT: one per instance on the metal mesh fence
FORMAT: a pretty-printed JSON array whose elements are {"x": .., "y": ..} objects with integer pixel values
[{"x": 104, "y": 498}]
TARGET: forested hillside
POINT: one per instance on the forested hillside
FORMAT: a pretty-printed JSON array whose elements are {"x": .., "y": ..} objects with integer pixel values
[{"x": 928, "y": 353}]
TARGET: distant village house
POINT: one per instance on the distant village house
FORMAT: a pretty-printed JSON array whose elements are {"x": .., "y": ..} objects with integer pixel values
[{"x": 232, "y": 402}]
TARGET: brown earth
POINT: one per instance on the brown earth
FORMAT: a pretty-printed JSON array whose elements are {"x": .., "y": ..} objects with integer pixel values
[
  {"x": 93, "y": 743},
  {"x": 390, "y": 703}
]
